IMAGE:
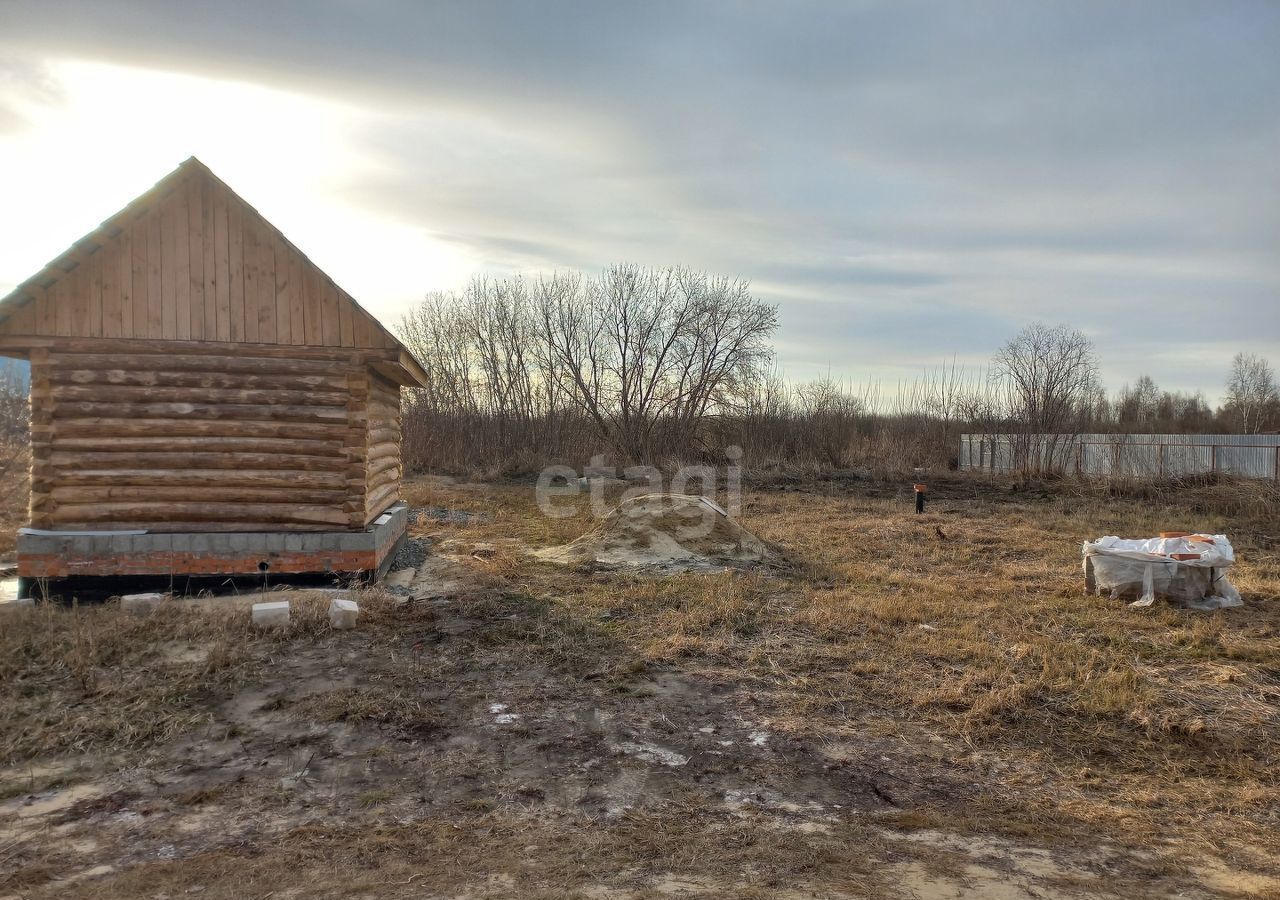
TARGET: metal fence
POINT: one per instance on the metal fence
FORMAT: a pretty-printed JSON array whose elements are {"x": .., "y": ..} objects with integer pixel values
[{"x": 1132, "y": 455}]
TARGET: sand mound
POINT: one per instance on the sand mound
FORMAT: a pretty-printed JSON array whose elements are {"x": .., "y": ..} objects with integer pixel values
[{"x": 667, "y": 530}]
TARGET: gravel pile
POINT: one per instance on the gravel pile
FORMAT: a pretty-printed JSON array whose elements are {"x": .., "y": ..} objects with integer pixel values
[{"x": 412, "y": 553}]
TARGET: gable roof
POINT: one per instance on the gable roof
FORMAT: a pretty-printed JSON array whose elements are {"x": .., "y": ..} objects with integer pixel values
[{"x": 189, "y": 260}]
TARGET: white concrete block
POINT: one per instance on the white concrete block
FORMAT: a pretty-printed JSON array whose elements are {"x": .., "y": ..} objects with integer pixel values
[
  {"x": 140, "y": 604},
  {"x": 268, "y": 615},
  {"x": 343, "y": 613}
]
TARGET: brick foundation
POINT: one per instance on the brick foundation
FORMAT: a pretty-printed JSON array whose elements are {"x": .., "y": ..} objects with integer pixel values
[{"x": 54, "y": 555}]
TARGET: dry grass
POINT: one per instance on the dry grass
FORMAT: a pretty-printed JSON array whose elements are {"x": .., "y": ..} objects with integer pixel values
[
  {"x": 1078, "y": 713},
  {"x": 1024, "y": 710},
  {"x": 433, "y": 858},
  {"x": 94, "y": 679}
]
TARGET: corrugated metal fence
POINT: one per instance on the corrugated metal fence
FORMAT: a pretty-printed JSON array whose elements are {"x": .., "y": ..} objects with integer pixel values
[{"x": 1136, "y": 455}]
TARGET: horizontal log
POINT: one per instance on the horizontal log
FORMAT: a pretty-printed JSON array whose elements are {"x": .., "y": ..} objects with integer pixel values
[
  {"x": 208, "y": 444},
  {"x": 101, "y": 393},
  {"x": 384, "y": 476},
  {"x": 58, "y": 346},
  {"x": 390, "y": 476},
  {"x": 377, "y": 503},
  {"x": 163, "y": 378},
  {"x": 382, "y": 465},
  {"x": 151, "y": 362},
  {"x": 205, "y": 478},
  {"x": 67, "y": 459},
  {"x": 382, "y": 435},
  {"x": 382, "y": 451},
  {"x": 130, "y": 427},
  {"x": 378, "y": 489},
  {"x": 199, "y": 512},
  {"x": 83, "y": 494},
  {"x": 205, "y": 411}
]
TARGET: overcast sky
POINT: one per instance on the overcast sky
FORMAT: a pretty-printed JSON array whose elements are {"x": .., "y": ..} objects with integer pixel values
[{"x": 908, "y": 182}]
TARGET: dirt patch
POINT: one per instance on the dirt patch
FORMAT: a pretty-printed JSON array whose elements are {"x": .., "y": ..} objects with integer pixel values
[
  {"x": 399, "y": 732},
  {"x": 504, "y": 728},
  {"x": 664, "y": 531}
]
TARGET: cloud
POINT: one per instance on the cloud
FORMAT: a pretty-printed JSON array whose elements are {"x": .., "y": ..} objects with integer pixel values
[{"x": 906, "y": 180}]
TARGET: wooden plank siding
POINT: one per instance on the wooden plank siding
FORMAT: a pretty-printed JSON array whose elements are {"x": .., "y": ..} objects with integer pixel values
[{"x": 197, "y": 264}]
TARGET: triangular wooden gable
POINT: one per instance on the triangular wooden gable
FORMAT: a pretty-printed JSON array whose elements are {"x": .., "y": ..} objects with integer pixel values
[{"x": 190, "y": 261}]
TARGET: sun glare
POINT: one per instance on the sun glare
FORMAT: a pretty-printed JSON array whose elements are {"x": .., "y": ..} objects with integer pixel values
[{"x": 114, "y": 131}]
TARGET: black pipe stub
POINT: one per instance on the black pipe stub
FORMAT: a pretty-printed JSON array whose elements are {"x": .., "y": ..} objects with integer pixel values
[{"x": 921, "y": 490}]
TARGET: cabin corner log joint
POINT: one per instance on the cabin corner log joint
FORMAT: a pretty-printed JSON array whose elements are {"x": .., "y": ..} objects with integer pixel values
[{"x": 193, "y": 373}]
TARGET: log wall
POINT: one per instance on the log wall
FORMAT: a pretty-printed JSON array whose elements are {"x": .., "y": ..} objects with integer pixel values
[
  {"x": 204, "y": 439},
  {"x": 382, "y": 447}
]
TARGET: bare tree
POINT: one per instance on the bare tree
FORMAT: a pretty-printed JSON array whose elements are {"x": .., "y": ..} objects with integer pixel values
[
  {"x": 1138, "y": 407},
  {"x": 646, "y": 357},
  {"x": 649, "y": 354},
  {"x": 1050, "y": 379},
  {"x": 1252, "y": 399}
]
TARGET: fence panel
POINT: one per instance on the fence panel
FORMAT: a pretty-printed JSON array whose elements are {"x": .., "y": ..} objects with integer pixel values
[{"x": 1134, "y": 455}]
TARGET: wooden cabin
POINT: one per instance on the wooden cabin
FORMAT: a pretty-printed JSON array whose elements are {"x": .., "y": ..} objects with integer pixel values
[{"x": 194, "y": 373}]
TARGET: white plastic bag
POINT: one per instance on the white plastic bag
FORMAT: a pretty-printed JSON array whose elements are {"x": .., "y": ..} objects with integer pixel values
[{"x": 1189, "y": 570}]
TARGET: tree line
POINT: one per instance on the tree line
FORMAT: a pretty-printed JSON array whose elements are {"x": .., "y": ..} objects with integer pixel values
[{"x": 672, "y": 365}]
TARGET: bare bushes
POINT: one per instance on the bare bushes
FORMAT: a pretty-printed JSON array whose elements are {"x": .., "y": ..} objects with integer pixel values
[
  {"x": 14, "y": 410},
  {"x": 669, "y": 367},
  {"x": 15, "y": 450},
  {"x": 655, "y": 366},
  {"x": 830, "y": 424}
]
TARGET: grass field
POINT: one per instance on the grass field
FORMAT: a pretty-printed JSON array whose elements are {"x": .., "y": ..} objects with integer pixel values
[{"x": 909, "y": 706}]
